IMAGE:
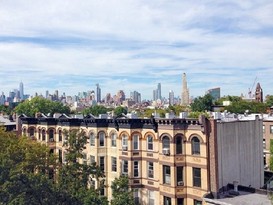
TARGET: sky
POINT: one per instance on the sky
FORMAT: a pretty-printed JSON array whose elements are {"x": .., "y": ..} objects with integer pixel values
[{"x": 130, "y": 45}]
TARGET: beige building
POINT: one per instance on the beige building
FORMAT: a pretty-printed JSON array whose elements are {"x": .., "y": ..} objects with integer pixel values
[{"x": 168, "y": 161}]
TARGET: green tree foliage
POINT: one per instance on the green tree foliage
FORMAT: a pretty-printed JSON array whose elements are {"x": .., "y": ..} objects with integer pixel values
[
  {"x": 95, "y": 110},
  {"x": 176, "y": 109},
  {"x": 197, "y": 114},
  {"x": 202, "y": 104},
  {"x": 121, "y": 192},
  {"x": 5, "y": 109},
  {"x": 232, "y": 99},
  {"x": 75, "y": 177},
  {"x": 119, "y": 110},
  {"x": 42, "y": 105},
  {"x": 243, "y": 105},
  {"x": 269, "y": 101}
]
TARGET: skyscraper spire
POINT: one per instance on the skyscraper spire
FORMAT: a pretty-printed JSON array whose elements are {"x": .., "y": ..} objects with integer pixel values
[{"x": 185, "y": 91}]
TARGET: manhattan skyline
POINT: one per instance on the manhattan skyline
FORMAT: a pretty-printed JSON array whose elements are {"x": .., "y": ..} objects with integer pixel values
[{"x": 134, "y": 45}]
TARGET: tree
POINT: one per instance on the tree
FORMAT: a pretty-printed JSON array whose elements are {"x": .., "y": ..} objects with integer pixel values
[
  {"x": 242, "y": 106},
  {"x": 95, "y": 110},
  {"x": 41, "y": 105},
  {"x": 269, "y": 101},
  {"x": 75, "y": 177},
  {"x": 119, "y": 111},
  {"x": 121, "y": 193},
  {"x": 5, "y": 109},
  {"x": 201, "y": 104}
]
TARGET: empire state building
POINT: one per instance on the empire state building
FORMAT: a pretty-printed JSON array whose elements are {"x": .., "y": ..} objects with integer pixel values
[{"x": 185, "y": 99}]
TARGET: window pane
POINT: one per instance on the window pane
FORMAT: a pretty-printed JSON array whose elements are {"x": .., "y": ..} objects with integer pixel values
[
  {"x": 150, "y": 142},
  {"x": 178, "y": 145},
  {"x": 195, "y": 145},
  {"x": 166, "y": 142},
  {"x": 180, "y": 201},
  {"x": 92, "y": 139},
  {"x": 179, "y": 176},
  {"x": 166, "y": 174},
  {"x": 114, "y": 164},
  {"x": 135, "y": 168},
  {"x": 125, "y": 167},
  {"x": 114, "y": 140},
  {"x": 167, "y": 200},
  {"x": 135, "y": 141},
  {"x": 150, "y": 170},
  {"x": 151, "y": 198},
  {"x": 102, "y": 163},
  {"x": 196, "y": 177},
  {"x": 101, "y": 136}
]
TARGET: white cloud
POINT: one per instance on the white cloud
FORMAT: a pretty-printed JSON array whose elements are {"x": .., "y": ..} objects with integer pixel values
[{"x": 133, "y": 45}]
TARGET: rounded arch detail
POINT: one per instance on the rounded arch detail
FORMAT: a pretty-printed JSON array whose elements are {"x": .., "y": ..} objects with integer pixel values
[
  {"x": 135, "y": 132},
  {"x": 123, "y": 133},
  {"x": 149, "y": 133},
  {"x": 167, "y": 135},
  {"x": 196, "y": 135}
]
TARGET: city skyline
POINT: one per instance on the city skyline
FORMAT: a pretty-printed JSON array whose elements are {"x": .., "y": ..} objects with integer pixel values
[{"x": 71, "y": 47}]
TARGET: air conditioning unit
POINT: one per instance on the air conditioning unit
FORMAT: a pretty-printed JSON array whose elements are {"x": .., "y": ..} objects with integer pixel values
[
  {"x": 180, "y": 183},
  {"x": 124, "y": 148},
  {"x": 166, "y": 151}
]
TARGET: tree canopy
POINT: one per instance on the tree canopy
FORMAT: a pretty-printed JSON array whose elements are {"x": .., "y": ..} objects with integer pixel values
[
  {"x": 118, "y": 111},
  {"x": 41, "y": 105},
  {"x": 95, "y": 110},
  {"x": 202, "y": 104}
]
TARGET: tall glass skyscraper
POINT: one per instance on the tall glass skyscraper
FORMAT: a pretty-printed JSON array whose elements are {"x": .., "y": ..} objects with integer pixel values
[{"x": 21, "y": 90}]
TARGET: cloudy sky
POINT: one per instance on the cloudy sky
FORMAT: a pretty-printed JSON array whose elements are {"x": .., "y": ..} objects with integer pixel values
[{"x": 135, "y": 44}]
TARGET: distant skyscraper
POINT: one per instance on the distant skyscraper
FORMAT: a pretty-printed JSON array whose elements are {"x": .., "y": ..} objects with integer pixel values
[
  {"x": 21, "y": 90},
  {"x": 259, "y": 93},
  {"x": 185, "y": 99},
  {"x": 171, "y": 97},
  {"x": 47, "y": 94},
  {"x": 98, "y": 93},
  {"x": 215, "y": 93},
  {"x": 159, "y": 91},
  {"x": 136, "y": 96}
]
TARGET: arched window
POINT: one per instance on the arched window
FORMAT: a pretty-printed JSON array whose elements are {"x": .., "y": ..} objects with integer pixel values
[
  {"x": 101, "y": 138},
  {"x": 135, "y": 142},
  {"x": 179, "y": 145},
  {"x": 150, "y": 142},
  {"x": 60, "y": 136},
  {"x": 166, "y": 142},
  {"x": 31, "y": 132},
  {"x": 51, "y": 135},
  {"x": 43, "y": 135},
  {"x": 195, "y": 145},
  {"x": 113, "y": 139},
  {"x": 124, "y": 142},
  {"x": 92, "y": 139}
]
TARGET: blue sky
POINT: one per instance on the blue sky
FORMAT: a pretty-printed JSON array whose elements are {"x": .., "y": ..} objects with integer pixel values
[{"x": 133, "y": 45}]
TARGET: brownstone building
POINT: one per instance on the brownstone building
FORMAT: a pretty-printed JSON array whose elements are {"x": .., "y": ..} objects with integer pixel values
[{"x": 168, "y": 161}]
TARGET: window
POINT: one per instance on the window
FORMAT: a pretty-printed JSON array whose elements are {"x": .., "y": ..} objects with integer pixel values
[
  {"x": 60, "y": 156},
  {"x": 51, "y": 135},
  {"x": 197, "y": 202},
  {"x": 179, "y": 176},
  {"x": 150, "y": 170},
  {"x": 151, "y": 198},
  {"x": 113, "y": 139},
  {"x": 166, "y": 142},
  {"x": 167, "y": 200},
  {"x": 180, "y": 201},
  {"x": 263, "y": 128},
  {"x": 92, "y": 159},
  {"x": 43, "y": 135},
  {"x": 114, "y": 164},
  {"x": 60, "y": 136},
  {"x": 39, "y": 134},
  {"x": 124, "y": 142},
  {"x": 136, "y": 196},
  {"x": 92, "y": 139},
  {"x": 264, "y": 144},
  {"x": 31, "y": 132},
  {"x": 125, "y": 167},
  {"x": 149, "y": 142},
  {"x": 136, "y": 169},
  {"x": 166, "y": 174},
  {"x": 102, "y": 163},
  {"x": 101, "y": 137},
  {"x": 271, "y": 129},
  {"x": 195, "y": 146},
  {"x": 196, "y": 174},
  {"x": 179, "y": 146},
  {"x": 135, "y": 142}
]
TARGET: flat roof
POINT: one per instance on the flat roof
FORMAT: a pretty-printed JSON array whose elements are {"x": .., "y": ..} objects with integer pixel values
[{"x": 245, "y": 198}]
